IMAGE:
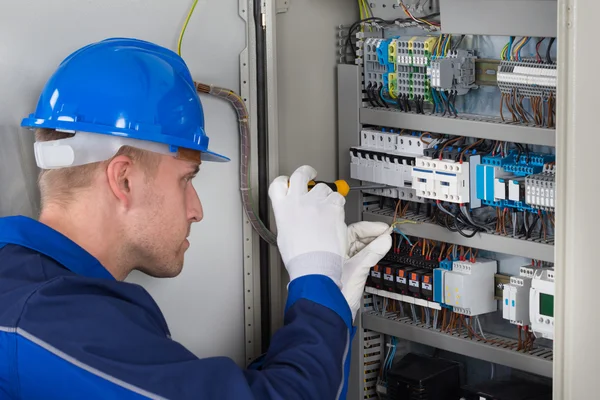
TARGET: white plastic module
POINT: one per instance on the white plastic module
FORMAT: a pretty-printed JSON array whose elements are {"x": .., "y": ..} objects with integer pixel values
[
  {"x": 540, "y": 189},
  {"x": 444, "y": 180},
  {"x": 541, "y": 303},
  {"x": 516, "y": 189},
  {"x": 469, "y": 287},
  {"x": 515, "y": 303},
  {"x": 500, "y": 189}
]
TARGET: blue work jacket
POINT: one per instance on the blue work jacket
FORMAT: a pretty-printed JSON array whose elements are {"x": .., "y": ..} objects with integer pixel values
[{"x": 69, "y": 330}]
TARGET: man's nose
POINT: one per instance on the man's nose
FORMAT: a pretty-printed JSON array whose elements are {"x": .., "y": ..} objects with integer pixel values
[{"x": 195, "y": 211}]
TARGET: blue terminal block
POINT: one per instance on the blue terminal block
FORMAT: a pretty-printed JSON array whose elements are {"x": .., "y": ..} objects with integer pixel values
[
  {"x": 498, "y": 161},
  {"x": 438, "y": 281}
]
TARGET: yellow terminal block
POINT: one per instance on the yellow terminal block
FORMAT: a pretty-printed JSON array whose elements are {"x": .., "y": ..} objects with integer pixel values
[
  {"x": 393, "y": 85},
  {"x": 430, "y": 43},
  {"x": 392, "y": 52},
  {"x": 411, "y": 42}
]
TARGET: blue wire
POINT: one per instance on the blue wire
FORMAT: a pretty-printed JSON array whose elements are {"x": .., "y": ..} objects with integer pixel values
[
  {"x": 446, "y": 99},
  {"x": 384, "y": 99},
  {"x": 403, "y": 235},
  {"x": 435, "y": 104},
  {"x": 437, "y": 99},
  {"x": 509, "y": 52},
  {"x": 444, "y": 46}
]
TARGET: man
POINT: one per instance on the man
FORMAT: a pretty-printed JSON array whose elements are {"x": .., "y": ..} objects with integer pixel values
[{"x": 119, "y": 138}]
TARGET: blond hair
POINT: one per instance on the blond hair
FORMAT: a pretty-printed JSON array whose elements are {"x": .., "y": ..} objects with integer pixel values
[{"x": 60, "y": 186}]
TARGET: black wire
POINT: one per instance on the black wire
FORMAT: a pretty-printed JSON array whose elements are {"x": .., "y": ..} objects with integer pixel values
[
  {"x": 406, "y": 103},
  {"x": 354, "y": 26},
  {"x": 530, "y": 227},
  {"x": 454, "y": 104},
  {"x": 399, "y": 102},
  {"x": 548, "y": 58},
  {"x": 459, "y": 229},
  {"x": 458, "y": 43},
  {"x": 374, "y": 96},
  {"x": 446, "y": 105},
  {"x": 537, "y": 47},
  {"x": 369, "y": 95},
  {"x": 521, "y": 151}
]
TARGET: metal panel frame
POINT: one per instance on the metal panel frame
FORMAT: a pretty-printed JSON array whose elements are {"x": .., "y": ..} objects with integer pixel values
[
  {"x": 450, "y": 342},
  {"x": 349, "y": 103},
  {"x": 472, "y": 126},
  {"x": 504, "y": 17},
  {"x": 251, "y": 239}
]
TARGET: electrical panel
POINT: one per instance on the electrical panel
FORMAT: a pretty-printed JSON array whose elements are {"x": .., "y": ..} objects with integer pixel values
[{"x": 460, "y": 128}]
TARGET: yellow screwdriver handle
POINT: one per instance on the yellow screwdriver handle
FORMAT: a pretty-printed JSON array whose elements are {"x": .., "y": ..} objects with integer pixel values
[{"x": 339, "y": 186}]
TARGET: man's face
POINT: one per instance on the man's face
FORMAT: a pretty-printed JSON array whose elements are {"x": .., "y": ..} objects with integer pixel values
[{"x": 164, "y": 208}]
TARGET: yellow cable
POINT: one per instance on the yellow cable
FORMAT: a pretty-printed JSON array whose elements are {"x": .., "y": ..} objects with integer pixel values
[{"x": 185, "y": 26}]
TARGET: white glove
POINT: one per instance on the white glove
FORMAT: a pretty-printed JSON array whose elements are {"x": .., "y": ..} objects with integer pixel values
[
  {"x": 369, "y": 242},
  {"x": 311, "y": 233}
]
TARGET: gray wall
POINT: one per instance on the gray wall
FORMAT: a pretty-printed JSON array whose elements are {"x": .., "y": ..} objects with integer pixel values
[{"x": 37, "y": 35}]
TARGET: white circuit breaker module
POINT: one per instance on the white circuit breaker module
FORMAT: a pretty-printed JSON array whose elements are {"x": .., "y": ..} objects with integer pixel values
[
  {"x": 446, "y": 180},
  {"x": 515, "y": 302},
  {"x": 469, "y": 287},
  {"x": 541, "y": 303}
]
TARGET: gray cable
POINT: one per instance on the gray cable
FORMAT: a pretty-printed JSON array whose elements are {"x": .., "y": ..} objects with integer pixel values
[
  {"x": 465, "y": 211},
  {"x": 480, "y": 329}
]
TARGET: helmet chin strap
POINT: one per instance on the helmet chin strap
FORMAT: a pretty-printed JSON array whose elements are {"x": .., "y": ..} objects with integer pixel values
[{"x": 86, "y": 148}]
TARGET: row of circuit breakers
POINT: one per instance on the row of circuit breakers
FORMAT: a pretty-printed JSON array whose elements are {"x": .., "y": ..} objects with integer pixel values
[
  {"x": 417, "y": 170},
  {"x": 421, "y": 69},
  {"x": 467, "y": 288}
]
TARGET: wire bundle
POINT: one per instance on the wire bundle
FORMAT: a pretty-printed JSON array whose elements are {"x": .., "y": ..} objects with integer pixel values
[{"x": 541, "y": 101}]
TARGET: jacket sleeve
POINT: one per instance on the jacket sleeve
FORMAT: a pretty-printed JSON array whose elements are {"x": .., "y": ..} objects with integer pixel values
[{"x": 75, "y": 343}]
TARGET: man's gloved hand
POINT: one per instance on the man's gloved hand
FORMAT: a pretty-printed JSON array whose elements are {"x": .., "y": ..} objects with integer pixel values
[
  {"x": 368, "y": 242},
  {"x": 311, "y": 233}
]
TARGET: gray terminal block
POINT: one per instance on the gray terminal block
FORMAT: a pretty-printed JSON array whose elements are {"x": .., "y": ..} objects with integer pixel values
[
  {"x": 454, "y": 72},
  {"x": 374, "y": 71},
  {"x": 540, "y": 189},
  {"x": 529, "y": 78}
]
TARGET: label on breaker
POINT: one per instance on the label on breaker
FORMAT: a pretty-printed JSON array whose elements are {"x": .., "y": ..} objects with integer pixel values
[
  {"x": 427, "y": 286},
  {"x": 401, "y": 280},
  {"x": 375, "y": 274},
  {"x": 413, "y": 283},
  {"x": 388, "y": 277}
]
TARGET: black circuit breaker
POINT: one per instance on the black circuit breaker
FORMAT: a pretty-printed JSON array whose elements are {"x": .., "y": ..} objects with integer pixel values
[
  {"x": 427, "y": 286},
  {"x": 402, "y": 275},
  {"x": 376, "y": 276},
  {"x": 389, "y": 277},
  {"x": 414, "y": 282}
]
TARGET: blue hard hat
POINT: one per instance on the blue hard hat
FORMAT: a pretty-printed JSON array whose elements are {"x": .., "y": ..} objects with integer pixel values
[{"x": 129, "y": 88}]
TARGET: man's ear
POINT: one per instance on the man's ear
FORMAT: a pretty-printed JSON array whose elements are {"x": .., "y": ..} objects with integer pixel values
[{"x": 119, "y": 174}]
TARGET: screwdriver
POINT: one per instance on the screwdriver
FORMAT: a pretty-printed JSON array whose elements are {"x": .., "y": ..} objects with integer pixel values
[{"x": 342, "y": 187}]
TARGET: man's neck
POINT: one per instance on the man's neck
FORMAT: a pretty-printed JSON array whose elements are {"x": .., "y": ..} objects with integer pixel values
[{"x": 92, "y": 231}]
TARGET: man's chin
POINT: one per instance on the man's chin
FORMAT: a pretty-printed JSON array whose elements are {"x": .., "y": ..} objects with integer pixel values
[{"x": 171, "y": 271}]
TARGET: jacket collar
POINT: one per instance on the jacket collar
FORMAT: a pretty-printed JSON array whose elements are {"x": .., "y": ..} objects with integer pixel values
[{"x": 34, "y": 235}]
